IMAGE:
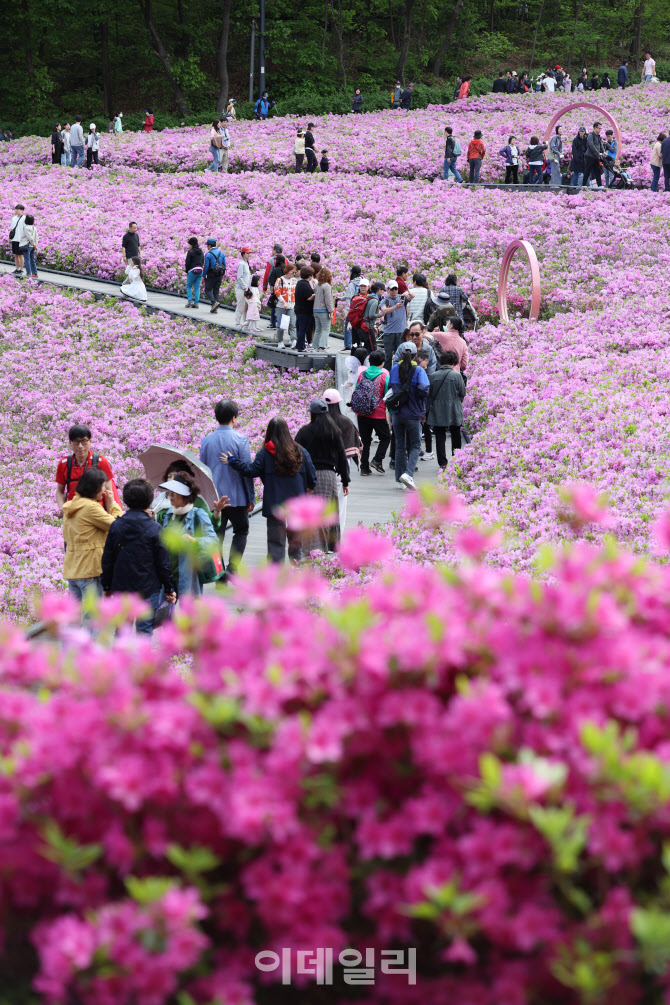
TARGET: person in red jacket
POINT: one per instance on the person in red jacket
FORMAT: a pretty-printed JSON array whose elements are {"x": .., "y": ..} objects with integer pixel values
[
  {"x": 149, "y": 120},
  {"x": 464, "y": 89},
  {"x": 476, "y": 154}
]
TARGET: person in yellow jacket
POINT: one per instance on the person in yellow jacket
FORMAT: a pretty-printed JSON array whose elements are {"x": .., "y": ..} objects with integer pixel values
[{"x": 87, "y": 518}]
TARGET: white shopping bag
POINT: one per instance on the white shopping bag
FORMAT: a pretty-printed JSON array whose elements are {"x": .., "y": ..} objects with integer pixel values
[{"x": 285, "y": 322}]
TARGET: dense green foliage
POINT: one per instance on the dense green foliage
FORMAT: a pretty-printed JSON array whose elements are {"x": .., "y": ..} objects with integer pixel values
[{"x": 69, "y": 56}]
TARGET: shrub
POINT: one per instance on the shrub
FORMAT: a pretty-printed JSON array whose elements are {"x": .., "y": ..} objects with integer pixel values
[{"x": 465, "y": 762}]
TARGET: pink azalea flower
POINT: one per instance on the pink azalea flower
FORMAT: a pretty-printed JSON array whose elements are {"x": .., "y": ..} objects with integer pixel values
[
  {"x": 360, "y": 547},
  {"x": 307, "y": 512}
]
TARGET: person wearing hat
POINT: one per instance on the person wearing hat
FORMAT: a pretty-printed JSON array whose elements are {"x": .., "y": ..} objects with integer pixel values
[
  {"x": 407, "y": 417},
  {"x": 92, "y": 144},
  {"x": 578, "y": 157},
  {"x": 322, "y": 439},
  {"x": 242, "y": 284},
  {"x": 393, "y": 308},
  {"x": 609, "y": 160},
  {"x": 352, "y": 444},
  {"x": 231, "y": 110},
  {"x": 193, "y": 524},
  {"x": 213, "y": 271}
]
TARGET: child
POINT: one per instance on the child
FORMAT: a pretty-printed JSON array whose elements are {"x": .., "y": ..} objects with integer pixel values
[
  {"x": 323, "y": 163},
  {"x": 252, "y": 316},
  {"x": 255, "y": 289},
  {"x": 354, "y": 364}
]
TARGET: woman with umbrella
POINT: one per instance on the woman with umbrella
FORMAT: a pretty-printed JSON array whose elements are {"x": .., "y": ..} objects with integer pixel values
[{"x": 184, "y": 519}]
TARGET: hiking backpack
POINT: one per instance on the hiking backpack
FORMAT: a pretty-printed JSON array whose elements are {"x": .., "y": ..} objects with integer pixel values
[
  {"x": 366, "y": 396},
  {"x": 68, "y": 470},
  {"x": 219, "y": 267},
  {"x": 356, "y": 312}
]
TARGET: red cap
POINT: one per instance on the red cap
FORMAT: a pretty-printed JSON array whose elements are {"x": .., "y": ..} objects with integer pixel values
[{"x": 246, "y": 250}]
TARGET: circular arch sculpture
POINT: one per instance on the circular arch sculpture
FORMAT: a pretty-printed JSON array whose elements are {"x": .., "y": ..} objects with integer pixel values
[
  {"x": 510, "y": 252},
  {"x": 549, "y": 131}
]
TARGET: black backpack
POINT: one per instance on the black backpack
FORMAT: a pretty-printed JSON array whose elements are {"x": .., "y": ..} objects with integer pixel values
[
  {"x": 429, "y": 309},
  {"x": 219, "y": 267},
  {"x": 68, "y": 475}
]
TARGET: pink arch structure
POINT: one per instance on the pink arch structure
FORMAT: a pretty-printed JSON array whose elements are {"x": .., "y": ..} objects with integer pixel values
[
  {"x": 549, "y": 132},
  {"x": 511, "y": 251}
]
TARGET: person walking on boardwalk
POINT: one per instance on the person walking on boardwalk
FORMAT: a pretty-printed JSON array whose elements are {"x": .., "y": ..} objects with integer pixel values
[{"x": 213, "y": 271}]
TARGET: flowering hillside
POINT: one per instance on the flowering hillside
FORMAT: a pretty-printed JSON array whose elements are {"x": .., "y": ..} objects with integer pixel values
[
  {"x": 135, "y": 380},
  {"x": 387, "y": 143}
]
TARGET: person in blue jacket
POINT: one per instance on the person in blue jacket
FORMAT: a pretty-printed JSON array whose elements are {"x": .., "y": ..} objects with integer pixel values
[
  {"x": 622, "y": 74},
  {"x": 213, "y": 271},
  {"x": 194, "y": 524},
  {"x": 263, "y": 107},
  {"x": 287, "y": 471},
  {"x": 407, "y": 418}
]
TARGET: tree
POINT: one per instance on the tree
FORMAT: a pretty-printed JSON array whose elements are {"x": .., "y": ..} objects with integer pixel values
[
  {"x": 404, "y": 44},
  {"x": 446, "y": 41},
  {"x": 161, "y": 52},
  {"x": 222, "y": 57}
]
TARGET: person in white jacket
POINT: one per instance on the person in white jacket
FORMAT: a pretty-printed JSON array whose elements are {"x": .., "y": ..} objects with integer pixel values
[{"x": 242, "y": 284}]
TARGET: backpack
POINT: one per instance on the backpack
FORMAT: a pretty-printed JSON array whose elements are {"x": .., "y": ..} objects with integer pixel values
[
  {"x": 356, "y": 312},
  {"x": 68, "y": 473},
  {"x": 396, "y": 399},
  {"x": 458, "y": 149},
  {"x": 365, "y": 397},
  {"x": 429, "y": 309},
  {"x": 219, "y": 266}
]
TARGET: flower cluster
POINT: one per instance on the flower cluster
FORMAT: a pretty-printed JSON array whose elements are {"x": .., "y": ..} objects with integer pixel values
[{"x": 489, "y": 786}]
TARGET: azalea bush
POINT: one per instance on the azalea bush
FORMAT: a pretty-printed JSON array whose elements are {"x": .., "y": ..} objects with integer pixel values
[
  {"x": 387, "y": 143},
  {"x": 462, "y": 762},
  {"x": 135, "y": 379}
]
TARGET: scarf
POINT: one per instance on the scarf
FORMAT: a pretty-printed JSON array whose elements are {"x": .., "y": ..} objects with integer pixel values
[
  {"x": 270, "y": 447},
  {"x": 182, "y": 510}
]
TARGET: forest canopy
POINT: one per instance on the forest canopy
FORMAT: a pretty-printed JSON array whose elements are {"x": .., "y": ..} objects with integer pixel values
[{"x": 188, "y": 56}]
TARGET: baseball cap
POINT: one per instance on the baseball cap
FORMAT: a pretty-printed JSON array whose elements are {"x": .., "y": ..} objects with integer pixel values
[
  {"x": 392, "y": 284},
  {"x": 92, "y": 125},
  {"x": 363, "y": 282},
  {"x": 246, "y": 250},
  {"x": 211, "y": 240},
  {"x": 317, "y": 406},
  {"x": 332, "y": 396},
  {"x": 174, "y": 486},
  {"x": 407, "y": 347}
]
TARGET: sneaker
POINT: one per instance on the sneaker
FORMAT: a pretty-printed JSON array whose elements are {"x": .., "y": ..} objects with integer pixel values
[
  {"x": 292, "y": 345},
  {"x": 392, "y": 464},
  {"x": 408, "y": 481},
  {"x": 428, "y": 457},
  {"x": 214, "y": 308},
  {"x": 187, "y": 304},
  {"x": 196, "y": 307},
  {"x": 364, "y": 473},
  {"x": 378, "y": 466}
]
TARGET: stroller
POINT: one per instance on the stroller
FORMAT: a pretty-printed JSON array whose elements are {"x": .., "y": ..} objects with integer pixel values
[{"x": 622, "y": 178}]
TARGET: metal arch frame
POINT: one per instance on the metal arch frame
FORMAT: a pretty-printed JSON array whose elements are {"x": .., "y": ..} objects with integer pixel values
[
  {"x": 584, "y": 104},
  {"x": 536, "y": 290}
]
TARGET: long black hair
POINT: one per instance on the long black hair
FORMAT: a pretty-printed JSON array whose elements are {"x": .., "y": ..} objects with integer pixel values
[
  {"x": 326, "y": 429},
  {"x": 355, "y": 272},
  {"x": 287, "y": 453},
  {"x": 405, "y": 366}
]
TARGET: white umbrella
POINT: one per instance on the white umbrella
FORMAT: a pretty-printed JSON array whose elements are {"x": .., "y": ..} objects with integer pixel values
[{"x": 159, "y": 456}]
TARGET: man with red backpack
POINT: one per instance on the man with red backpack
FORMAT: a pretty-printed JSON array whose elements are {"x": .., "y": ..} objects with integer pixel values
[
  {"x": 363, "y": 313},
  {"x": 367, "y": 402},
  {"x": 72, "y": 466}
]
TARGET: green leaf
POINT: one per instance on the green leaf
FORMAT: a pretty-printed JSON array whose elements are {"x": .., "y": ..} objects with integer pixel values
[
  {"x": 66, "y": 852},
  {"x": 192, "y": 861},
  {"x": 150, "y": 889}
]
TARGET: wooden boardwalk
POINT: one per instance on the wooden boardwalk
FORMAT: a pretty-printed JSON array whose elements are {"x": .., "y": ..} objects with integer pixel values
[{"x": 374, "y": 499}]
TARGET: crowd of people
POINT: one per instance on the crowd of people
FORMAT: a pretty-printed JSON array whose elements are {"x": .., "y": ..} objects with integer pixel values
[
  {"x": 580, "y": 163},
  {"x": 556, "y": 78}
]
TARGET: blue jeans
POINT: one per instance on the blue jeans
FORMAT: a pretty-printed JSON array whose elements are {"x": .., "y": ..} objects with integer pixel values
[
  {"x": 577, "y": 178},
  {"x": 407, "y": 444},
  {"x": 303, "y": 325},
  {"x": 216, "y": 154},
  {"x": 535, "y": 174},
  {"x": 655, "y": 177},
  {"x": 193, "y": 286},
  {"x": 347, "y": 335},
  {"x": 666, "y": 177},
  {"x": 77, "y": 155},
  {"x": 63, "y": 159},
  {"x": 450, "y": 165},
  {"x": 78, "y": 587},
  {"x": 146, "y": 627},
  {"x": 29, "y": 260}
]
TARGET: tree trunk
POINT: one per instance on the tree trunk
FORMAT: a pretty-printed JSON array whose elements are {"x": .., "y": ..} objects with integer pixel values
[
  {"x": 106, "y": 70},
  {"x": 27, "y": 46},
  {"x": 325, "y": 30},
  {"x": 161, "y": 53},
  {"x": 537, "y": 28},
  {"x": 638, "y": 34},
  {"x": 574, "y": 34},
  {"x": 222, "y": 58},
  {"x": 446, "y": 41},
  {"x": 339, "y": 31},
  {"x": 404, "y": 45},
  {"x": 492, "y": 11}
]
